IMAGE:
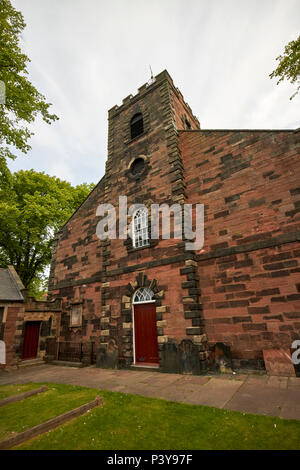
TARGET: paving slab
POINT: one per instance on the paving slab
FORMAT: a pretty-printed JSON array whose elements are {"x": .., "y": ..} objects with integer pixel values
[
  {"x": 294, "y": 383},
  {"x": 260, "y": 380},
  {"x": 184, "y": 380},
  {"x": 159, "y": 381},
  {"x": 266, "y": 400},
  {"x": 174, "y": 394},
  {"x": 153, "y": 392},
  {"x": 186, "y": 390},
  {"x": 291, "y": 407},
  {"x": 228, "y": 376},
  {"x": 258, "y": 394},
  {"x": 278, "y": 382},
  {"x": 215, "y": 392}
]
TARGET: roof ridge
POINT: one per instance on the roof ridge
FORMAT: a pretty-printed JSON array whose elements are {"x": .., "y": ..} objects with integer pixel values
[{"x": 15, "y": 282}]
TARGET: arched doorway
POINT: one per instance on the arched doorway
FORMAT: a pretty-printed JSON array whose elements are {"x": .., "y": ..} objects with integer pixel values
[{"x": 144, "y": 328}]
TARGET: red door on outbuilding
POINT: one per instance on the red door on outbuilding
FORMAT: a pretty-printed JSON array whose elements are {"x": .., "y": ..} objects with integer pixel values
[
  {"x": 145, "y": 334},
  {"x": 31, "y": 339}
]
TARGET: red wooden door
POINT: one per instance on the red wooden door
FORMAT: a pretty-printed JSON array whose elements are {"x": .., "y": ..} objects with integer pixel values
[
  {"x": 145, "y": 334},
  {"x": 31, "y": 339}
]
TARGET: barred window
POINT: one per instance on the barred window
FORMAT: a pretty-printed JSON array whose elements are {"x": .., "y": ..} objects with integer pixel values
[{"x": 140, "y": 235}]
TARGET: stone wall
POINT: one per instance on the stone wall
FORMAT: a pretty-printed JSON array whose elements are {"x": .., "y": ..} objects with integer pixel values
[
  {"x": 249, "y": 265},
  {"x": 12, "y": 331},
  {"x": 16, "y": 314}
]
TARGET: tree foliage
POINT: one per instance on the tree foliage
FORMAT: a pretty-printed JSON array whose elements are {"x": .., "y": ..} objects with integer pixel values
[
  {"x": 289, "y": 65},
  {"x": 22, "y": 100},
  {"x": 33, "y": 206}
]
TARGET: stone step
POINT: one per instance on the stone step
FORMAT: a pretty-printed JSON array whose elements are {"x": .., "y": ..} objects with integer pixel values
[
  {"x": 31, "y": 363},
  {"x": 154, "y": 368},
  {"x": 67, "y": 363}
]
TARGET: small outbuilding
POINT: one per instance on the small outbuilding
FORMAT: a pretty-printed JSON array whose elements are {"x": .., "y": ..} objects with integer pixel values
[{"x": 25, "y": 323}]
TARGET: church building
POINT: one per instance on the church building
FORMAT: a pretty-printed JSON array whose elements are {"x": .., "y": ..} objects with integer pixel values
[{"x": 137, "y": 301}]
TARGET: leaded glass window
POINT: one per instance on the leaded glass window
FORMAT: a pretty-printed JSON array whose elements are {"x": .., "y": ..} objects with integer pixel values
[
  {"x": 144, "y": 294},
  {"x": 140, "y": 228}
]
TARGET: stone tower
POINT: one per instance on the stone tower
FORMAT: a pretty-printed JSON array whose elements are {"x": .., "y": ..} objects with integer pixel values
[{"x": 148, "y": 168}]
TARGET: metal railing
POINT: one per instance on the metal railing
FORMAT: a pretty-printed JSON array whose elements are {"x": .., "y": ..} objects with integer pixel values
[{"x": 71, "y": 351}]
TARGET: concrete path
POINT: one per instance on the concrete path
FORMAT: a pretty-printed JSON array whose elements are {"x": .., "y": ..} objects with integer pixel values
[{"x": 259, "y": 394}]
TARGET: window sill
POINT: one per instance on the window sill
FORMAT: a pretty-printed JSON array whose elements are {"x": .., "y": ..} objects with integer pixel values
[
  {"x": 131, "y": 249},
  {"x": 128, "y": 142},
  {"x": 141, "y": 247},
  {"x": 138, "y": 248}
]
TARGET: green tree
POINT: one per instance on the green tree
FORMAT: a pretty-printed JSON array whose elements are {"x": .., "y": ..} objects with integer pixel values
[
  {"x": 33, "y": 206},
  {"x": 289, "y": 65},
  {"x": 22, "y": 100}
]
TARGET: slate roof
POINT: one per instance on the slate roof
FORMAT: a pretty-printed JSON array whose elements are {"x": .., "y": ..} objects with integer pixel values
[{"x": 10, "y": 285}]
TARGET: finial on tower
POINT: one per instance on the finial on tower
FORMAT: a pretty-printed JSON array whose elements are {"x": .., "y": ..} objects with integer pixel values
[{"x": 152, "y": 79}]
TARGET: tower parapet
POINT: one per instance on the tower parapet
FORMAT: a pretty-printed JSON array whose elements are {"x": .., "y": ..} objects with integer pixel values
[{"x": 147, "y": 88}]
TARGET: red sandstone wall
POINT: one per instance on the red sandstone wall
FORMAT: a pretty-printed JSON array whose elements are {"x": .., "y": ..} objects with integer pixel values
[
  {"x": 78, "y": 244},
  {"x": 247, "y": 180},
  {"x": 249, "y": 184},
  {"x": 78, "y": 258},
  {"x": 251, "y": 301},
  {"x": 181, "y": 109}
]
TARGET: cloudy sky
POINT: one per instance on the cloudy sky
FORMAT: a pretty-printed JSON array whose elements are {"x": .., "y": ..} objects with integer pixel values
[{"x": 87, "y": 55}]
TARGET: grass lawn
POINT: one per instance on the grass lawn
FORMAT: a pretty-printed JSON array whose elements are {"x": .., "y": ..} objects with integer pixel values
[
  {"x": 128, "y": 422},
  {"x": 25, "y": 414},
  {"x": 9, "y": 390}
]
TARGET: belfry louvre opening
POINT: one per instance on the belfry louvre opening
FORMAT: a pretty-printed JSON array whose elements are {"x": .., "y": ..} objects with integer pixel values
[{"x": 136, "y": 125}]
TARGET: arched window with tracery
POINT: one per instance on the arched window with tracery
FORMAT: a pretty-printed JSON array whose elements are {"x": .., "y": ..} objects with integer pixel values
[
  {"x": 136, "y": 125},
  {"x": 142, "y": 295},
  {"x": 140, "y": 235}
]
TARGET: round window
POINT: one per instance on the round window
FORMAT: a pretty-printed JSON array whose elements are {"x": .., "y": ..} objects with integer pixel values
[{"x": 137, "y": 166}]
